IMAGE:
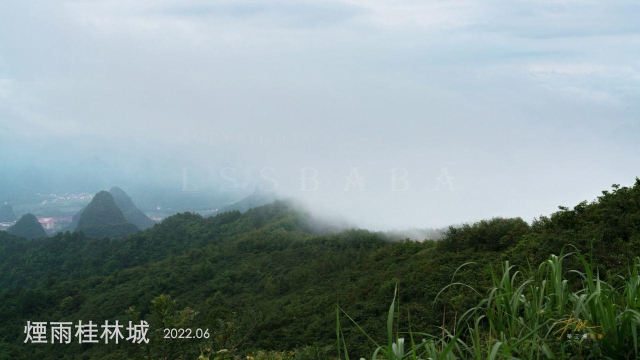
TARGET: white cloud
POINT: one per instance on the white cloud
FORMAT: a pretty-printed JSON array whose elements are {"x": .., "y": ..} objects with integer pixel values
[
  {"x": 499, "y": 92},
  {"x": 422, "y": 14},
  {"x": 6, "y": 86},
  {"x": 584, "y": 69},
  {"x": 592, "y": 82}
]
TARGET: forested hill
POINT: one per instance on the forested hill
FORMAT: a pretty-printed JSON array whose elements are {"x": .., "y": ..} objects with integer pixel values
[
  {"x": 27, "y": 227},
  {"x": 103, "y": 218},
  {"x": 73, "y": 255},
  {"x": 274, "y": 282},
  {"x": 106, "y": 208}
]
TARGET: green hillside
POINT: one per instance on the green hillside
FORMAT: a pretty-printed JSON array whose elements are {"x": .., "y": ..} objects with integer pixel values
[
  {"x": 265, "y": 280},
  {"x": 27, "y": 227},
  {"x": 103, "y": 218}
]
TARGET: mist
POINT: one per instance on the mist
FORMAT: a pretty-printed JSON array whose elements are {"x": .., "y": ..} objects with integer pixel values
[{"x": 353, "y": 108}]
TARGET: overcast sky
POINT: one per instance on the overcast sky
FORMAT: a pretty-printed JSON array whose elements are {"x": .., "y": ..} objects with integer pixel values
[{"x": 490, "y": 108}]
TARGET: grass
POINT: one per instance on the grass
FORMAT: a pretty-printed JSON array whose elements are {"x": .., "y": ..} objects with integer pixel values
[{"x": 543, "y": 313}]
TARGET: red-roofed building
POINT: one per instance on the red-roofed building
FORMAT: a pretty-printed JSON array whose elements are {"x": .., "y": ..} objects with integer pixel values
[{"x": 49, "y": 223}]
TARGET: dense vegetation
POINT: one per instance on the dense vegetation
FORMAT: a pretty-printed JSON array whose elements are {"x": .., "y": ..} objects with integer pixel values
[
  {"x": 27, "y": 227},
  {"x": 268, "y": 280},
  {"x": 536, "y": 313}
]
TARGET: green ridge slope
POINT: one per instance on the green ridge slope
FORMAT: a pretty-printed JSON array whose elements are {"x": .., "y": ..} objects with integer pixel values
[{"x": 267, "y": 275}]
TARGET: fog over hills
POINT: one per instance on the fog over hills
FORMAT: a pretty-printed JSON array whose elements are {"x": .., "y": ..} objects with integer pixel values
[
  {"x": 414, "y": 179},
  {"x": 6, "y": 213},
  {"x": 444, "y": 115}
]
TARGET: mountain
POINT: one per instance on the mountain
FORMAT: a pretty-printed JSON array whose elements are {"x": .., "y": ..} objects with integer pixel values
[
  {"x": 7, "y": 214},
  {"x": 258, "y": 198},
  {"x": 131, "y": 213},
  {"x": 267, "y": 280},
  {"x": 74, "y": 221},
  {"x": 129, "y": 209},
  {"x": 28, "y": 227},
  {"x": 102, "y": 218}
]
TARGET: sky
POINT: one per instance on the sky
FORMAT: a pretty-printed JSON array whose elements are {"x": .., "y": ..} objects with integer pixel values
[{"x": 476, "y": 108}]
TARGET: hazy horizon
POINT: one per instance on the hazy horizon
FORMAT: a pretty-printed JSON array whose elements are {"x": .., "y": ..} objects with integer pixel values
[{"x": 485, "y": 108}]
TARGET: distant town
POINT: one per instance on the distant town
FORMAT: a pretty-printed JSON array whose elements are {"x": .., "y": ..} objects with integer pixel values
[
  {"x": 52, "y": 198},
  {"x": 55, "y": 211}
]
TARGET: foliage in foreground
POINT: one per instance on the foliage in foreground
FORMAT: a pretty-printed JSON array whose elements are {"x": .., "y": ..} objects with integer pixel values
[{"x": 541, "y": 313}]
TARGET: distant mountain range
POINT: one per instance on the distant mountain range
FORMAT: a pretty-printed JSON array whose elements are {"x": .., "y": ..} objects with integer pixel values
[
  {"x": 103, "y": 218},
  {"x": 110, "y": 214},
  {"x": 113, "y": 214},
  {"x": 28, "y": 227},
  {"x": 7, "y": 214},
  {"x": 258, "y": 198},
  {"x": 129, "y": 209}
]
